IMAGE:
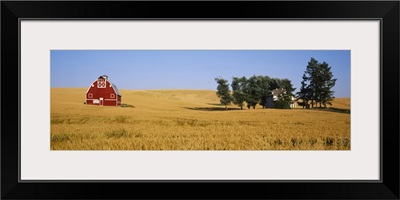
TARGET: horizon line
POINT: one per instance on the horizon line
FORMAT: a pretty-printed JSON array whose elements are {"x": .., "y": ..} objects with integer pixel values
[{"x": 146, "y": 89}]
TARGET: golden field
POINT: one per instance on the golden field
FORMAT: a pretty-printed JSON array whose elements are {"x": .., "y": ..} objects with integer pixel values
[{"x": 190, "y": 120}]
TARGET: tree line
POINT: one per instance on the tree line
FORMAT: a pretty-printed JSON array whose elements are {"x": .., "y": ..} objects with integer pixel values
[
  {"x": 254, "y": 90},
  {"x": 316, "y": 88}
]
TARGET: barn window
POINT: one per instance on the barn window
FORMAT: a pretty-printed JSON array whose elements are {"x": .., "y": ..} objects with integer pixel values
[
  {"x": 90, "y": 95},
  {"x": 112, "y": 96},
  {"x": 101, "y": 83}
]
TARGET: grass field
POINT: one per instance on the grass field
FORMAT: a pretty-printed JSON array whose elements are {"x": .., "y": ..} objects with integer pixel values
[{"x": 190, "y": 120}]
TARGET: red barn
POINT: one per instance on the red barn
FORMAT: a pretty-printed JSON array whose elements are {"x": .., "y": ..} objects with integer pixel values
[{"x": 103, "y": 93}]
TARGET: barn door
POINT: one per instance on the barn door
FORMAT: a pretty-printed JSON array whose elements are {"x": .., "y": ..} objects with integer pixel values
[{"x": 101, "y": 101}]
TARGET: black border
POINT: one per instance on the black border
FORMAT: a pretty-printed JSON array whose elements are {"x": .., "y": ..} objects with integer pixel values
[{"x": 386, "y": 11}]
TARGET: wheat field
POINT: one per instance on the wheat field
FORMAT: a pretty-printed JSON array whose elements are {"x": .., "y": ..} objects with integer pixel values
[{"x": 190, "y": 120}]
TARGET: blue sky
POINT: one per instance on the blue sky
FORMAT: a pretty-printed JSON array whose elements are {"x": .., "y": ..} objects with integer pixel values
[{"x": 190, "y": 69}]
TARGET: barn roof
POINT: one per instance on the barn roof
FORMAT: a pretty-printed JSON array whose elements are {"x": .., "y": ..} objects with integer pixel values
[
  {"x": 116, "y": 89},
  {"x": 113, "y": 85}
]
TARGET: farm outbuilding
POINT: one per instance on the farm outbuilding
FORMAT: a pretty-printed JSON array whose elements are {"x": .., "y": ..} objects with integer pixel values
[
  {"x": 275, "y": 94},
  {"x": 103, "y": 93}
]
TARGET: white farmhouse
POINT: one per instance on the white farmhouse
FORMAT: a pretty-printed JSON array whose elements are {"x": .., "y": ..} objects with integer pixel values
[{"x": 275, "y": 94}]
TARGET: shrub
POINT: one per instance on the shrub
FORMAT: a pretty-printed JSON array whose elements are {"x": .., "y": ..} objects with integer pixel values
[
  {"x": 282, "y": 104},
  {"x": 124, "y": 105}
]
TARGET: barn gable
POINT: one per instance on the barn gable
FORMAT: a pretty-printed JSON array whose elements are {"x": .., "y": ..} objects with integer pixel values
[{"x": 103, "y": 92}]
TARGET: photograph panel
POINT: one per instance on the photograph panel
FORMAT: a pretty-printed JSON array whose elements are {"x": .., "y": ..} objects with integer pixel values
[{"x": 200, "y": 99}]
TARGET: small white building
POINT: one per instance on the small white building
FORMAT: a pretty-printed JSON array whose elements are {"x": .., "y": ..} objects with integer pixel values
[
  {"x": 293, "y": 102},
  {"x": 275, "y": 94}
]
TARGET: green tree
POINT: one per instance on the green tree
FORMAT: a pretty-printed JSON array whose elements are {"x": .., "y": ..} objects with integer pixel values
[
  {"x": 253, "y": 92},
  {"x": 326, "y": 95},
  {"x": 223, "y": 92},
  {"x": 274, "y": 83},
  {"x": 317, "y": 84},
  {"x": 311, "y": 74},
  {"x": 287, "y": 85},
  {"x": 285, "y": 98},
  {"x": 238, "y": 94},
  {"x": 304, "y": 93},
  {"x": 282, "y": 103},
  {"x": 265, "y": 92}
]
